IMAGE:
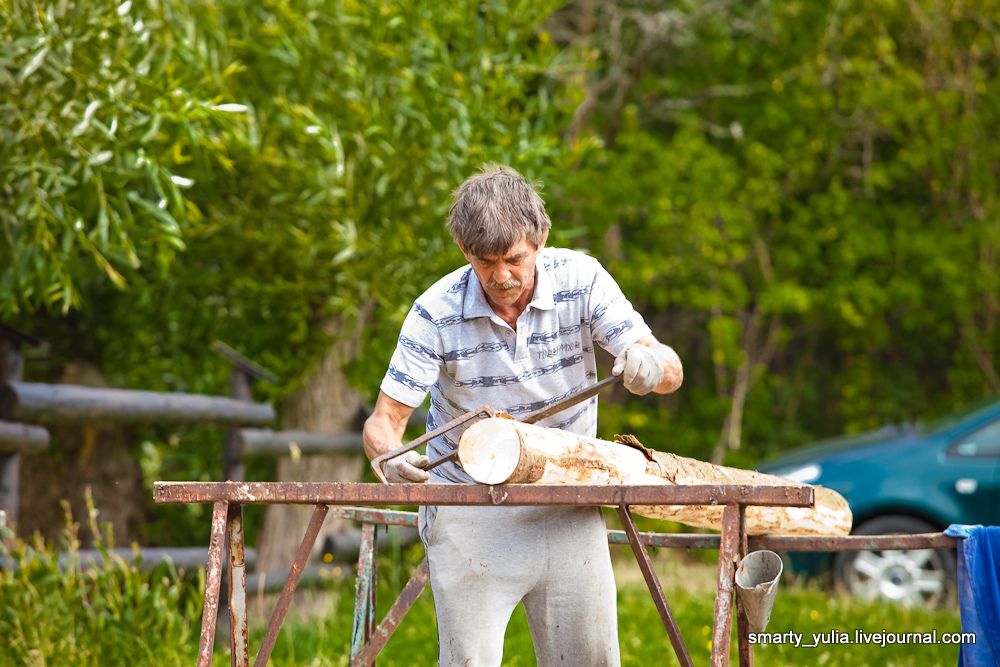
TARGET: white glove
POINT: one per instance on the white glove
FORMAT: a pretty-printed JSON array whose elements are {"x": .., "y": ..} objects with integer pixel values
[
  {"x": 406, "y": 468},
  {"x": 640, "y": 367}
]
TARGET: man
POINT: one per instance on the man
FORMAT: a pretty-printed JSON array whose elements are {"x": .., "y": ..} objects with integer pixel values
[{"x": 515, "y": 329}]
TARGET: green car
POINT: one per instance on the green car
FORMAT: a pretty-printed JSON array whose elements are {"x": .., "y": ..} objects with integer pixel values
[{"x": 903, "y": 479}]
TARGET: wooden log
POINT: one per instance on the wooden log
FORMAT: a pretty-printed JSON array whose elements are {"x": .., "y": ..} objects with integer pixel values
[
  {"x": 16, "y": 438},
  {"x": 243, "y": 363},
  {"x": 233, "y": 467},
  {"x": 29, "y": 401},
  {"x": 146, "y": 558},
  {"x": 11, "y": 370},
  {"x": 280, "y": 443},
  {"x": 497, "y": 451}
]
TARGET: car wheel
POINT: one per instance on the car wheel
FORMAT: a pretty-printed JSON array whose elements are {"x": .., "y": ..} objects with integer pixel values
[{"x": 921, "y": 577}]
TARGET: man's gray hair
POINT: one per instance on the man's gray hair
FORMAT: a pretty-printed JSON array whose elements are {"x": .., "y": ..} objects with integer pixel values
[{"x": 494, "y": 209}]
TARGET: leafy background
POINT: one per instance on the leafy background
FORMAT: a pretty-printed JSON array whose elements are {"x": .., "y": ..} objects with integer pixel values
[{"x": 799, "y": 196}]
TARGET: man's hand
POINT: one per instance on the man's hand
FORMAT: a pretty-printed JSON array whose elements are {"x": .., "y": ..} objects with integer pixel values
[
  {"x": 640, "y": 367},
  {"x": 406, "y": 468},
  {"x": 648, "y": 365}
]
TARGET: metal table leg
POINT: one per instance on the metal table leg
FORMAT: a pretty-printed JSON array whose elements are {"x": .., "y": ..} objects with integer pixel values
[
  {"x": 380, "y": 637},
  {"x": 728, "y": 548},
  {"x": 281, "y": 608},
  {"x": 238, "y": 625},
  {"x": 364, "y": 600},
  {"x": 655, "y": 589},
  {"x": 213, "y": 582},
  {"x": 742, "y": 624}
]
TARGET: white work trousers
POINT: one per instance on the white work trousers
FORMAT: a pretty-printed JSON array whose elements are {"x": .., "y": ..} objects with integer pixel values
[{"x": 484, "y": 560}]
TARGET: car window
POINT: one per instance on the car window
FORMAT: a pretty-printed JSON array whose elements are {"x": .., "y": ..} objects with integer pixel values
[
  {"x": 984, "y": 442},
  {"x": 956, "y": 417}
]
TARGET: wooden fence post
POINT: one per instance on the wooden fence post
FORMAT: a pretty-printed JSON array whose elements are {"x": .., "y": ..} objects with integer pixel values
[
  {"x": 11, "y": 370},
  {"x": 233, "y": 468},
  {"x": 244, "y": 370}
]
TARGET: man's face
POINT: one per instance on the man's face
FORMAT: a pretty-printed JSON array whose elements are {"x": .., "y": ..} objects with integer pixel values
[{"x": 508, "y": 279}]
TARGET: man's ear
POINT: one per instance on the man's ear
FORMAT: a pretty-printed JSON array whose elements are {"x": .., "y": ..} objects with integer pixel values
[{"x": 545, "y": 237}]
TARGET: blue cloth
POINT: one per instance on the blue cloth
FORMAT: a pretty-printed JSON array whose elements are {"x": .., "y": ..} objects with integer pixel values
[{"x": 979, "y": 593}]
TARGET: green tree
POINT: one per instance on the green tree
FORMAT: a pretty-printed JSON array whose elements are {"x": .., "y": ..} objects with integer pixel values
[
  {"x": 802, "y": 195},
  {"x": 276, "y": 175}
]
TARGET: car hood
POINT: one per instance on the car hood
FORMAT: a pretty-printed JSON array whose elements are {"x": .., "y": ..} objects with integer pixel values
[{"x": 852, "y": 444}]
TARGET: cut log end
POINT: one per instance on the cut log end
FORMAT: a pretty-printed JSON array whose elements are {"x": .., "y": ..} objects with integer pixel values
[{"x": 490, "y": 453}]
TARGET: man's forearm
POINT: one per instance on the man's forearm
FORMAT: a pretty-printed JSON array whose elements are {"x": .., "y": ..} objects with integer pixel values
[
  {"x": 383, "y": 431},
  {"x": 380, "y": 436}
]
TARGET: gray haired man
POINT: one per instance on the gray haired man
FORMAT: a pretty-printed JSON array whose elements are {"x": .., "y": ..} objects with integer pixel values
[{"x": 514, "y": 329}]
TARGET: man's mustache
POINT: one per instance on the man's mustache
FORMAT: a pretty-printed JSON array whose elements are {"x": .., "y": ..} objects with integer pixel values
[{"x": 513, "y": 282}]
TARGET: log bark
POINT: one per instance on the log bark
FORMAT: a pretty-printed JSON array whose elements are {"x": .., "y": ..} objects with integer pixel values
[
  {"x": 497, "y": 451},
  {"x": 16, "y": 438},
  {"x": 256, "y": 441}
]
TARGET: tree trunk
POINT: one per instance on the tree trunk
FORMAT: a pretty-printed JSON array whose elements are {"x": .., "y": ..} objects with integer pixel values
[
  {"x": 94, "y": 456},
  {"x": 324, "y": 403},
  {"x": 495, "y": 451}
]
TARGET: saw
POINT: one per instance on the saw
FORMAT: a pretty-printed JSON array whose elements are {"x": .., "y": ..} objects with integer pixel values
[{"x": 486, "y": 412}]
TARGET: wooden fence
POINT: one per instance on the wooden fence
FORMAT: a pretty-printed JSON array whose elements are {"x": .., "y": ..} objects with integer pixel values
[{"x": 27, "y": 407}]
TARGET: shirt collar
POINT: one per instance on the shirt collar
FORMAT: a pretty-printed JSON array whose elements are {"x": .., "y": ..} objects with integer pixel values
[
  {"x": 542, "y": 298},
  {"x": 475, "y": 304}
]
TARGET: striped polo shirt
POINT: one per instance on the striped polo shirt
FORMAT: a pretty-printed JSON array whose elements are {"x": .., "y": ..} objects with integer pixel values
[{"x": 454, "y": 346}]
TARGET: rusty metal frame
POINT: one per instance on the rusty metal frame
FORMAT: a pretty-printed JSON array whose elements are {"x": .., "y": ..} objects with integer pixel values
[
  {"x": 356, "y": 493},
  {"x": 364, "y": 600},
  {"x": 742, "y": 623},
  {"x": 239, "y": 637},
  {"x": 285, "y": 600},
  {"x": 368, "y": 639},
  {"x": 213, "y": 582},
  {"x": 732, "y": 529},
  {"x": 655, "y": 589},
  {"x": 379, "y": 636}
]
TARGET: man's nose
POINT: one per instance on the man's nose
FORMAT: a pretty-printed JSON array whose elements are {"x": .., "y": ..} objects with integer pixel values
[{"x": 501, "y": 274}]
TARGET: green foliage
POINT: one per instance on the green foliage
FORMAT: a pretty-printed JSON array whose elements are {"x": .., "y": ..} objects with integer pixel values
[
  {"x": 301, "y": 156},
  {"x": 60, "y": 609},
  {"x": 802, "y": 197},
  {"x": 90, "y": 175},
  {"x": 302, "y": 153}
]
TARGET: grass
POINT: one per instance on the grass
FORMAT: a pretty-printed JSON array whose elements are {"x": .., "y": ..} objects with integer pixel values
[
  {"x": 319, "y": 634},
  {"x": 78, "y": 613},
  {"x": 114, "y": 614}
]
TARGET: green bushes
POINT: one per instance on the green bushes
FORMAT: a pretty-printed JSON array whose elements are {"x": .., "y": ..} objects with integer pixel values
[
  {"x": 104, "y": 613},
  {"x": 111, "y": 613}
]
